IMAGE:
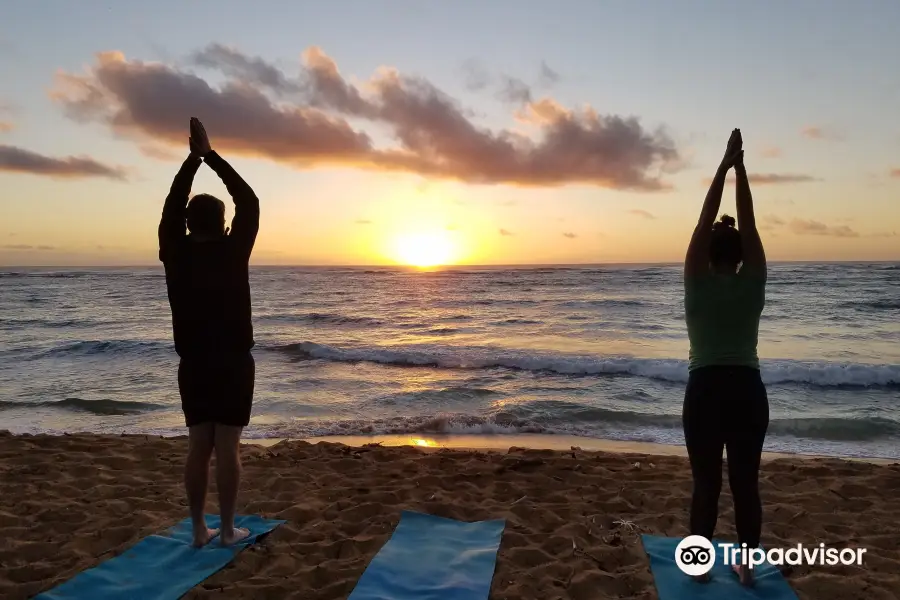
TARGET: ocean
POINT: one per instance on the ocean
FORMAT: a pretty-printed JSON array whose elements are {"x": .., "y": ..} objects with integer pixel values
[{"x": 596, "y": 351}]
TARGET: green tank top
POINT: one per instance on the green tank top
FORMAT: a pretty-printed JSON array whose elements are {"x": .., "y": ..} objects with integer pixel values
[{"x": 722, "y": 314}]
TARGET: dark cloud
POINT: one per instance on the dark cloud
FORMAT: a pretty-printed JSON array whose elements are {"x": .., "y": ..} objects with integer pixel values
[
  {"x": 476, "y": 77},
  {"x": 250, "y": 70},
  {"x": 506, "y": 232},
  {"x": 26, "y": 247},
  {"x": 570, "y": 235},
  {"x": 547, "y": 76},
  {"x": 434, "y": 137},
  {"x": 18, "y": 160},
  {"x": 515, "y": 91},
  {"x": 807, "y": 227},
  {"x": 642, "y": 213}
]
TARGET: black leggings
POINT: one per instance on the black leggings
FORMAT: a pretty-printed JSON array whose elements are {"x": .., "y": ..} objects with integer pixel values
[{"x": 726, "y": 407}]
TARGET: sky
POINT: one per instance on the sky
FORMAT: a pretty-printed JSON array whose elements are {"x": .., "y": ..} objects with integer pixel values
[{"x": 386, "y": 132}]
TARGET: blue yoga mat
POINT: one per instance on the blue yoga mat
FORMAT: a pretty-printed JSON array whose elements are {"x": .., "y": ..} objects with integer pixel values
[
  {"x": 672, "y": 584},
  {"x": 159, "y": 567},
  {"x": 432, "y": 558}
]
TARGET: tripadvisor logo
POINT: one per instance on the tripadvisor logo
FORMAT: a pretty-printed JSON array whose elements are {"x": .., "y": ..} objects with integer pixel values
[{"x": 695, "y": 555}]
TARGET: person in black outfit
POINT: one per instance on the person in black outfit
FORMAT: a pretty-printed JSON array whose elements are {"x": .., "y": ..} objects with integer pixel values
[{"x": 209, "y": 292}]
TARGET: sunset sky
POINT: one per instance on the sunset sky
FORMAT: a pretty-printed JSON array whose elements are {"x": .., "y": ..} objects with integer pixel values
[{"x": 488, "y": 132}]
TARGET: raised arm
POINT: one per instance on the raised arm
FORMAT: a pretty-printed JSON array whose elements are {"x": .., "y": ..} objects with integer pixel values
[
  {"x": 245, "y": 224},
  {"x": 754, "y": 255},
  {"x": 696, "y": 261},
  {"x": 172, "y": 225}
]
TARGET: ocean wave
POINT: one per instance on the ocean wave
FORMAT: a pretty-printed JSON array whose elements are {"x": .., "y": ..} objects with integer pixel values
[
  {"x": 601, "y": 423},
  {"x": 96, "y": 407},
  {"x": 873, "y": 305},
  {"x": 602, "y": 302},
  {"x": 821, "y": 374},
  {"x": 100, "y": 347},
  {"x": 331, "y": 318}
]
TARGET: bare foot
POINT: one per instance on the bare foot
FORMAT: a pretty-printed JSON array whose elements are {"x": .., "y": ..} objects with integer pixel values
[
  {"x": 744, "y": 573},
  {"x": 239, "y": 534},
  {"x": 203, "y": 536}
]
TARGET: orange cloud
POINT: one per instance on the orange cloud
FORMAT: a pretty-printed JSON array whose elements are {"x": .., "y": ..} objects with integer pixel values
[
  {"x": 6, "y": 126},
  {"x": 771, "y": 178},
  {"x": 895, "y": 173},
  {"x": 19, "y": 160},
  {"x": 803, "y": 227},
  {"x": 771, "y": 152},
  {"x": 304, "y": 122},
  {"x": 814, "y": 132},
  {"x": 642, "y": 213},
  {"x": 506, "y": 232}
]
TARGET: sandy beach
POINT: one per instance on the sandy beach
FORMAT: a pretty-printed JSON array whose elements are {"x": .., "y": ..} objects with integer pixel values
[{"x": 573, "y": 515}]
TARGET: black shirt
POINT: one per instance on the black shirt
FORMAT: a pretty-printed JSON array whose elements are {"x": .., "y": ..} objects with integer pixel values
[{"x": 208, "y": 281}]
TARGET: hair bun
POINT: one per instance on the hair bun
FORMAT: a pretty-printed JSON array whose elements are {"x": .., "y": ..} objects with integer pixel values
[{"x": 726, "y": 221}]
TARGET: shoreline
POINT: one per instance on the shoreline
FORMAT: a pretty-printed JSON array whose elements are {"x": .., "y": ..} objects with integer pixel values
[{"x": 534, "y": 441}]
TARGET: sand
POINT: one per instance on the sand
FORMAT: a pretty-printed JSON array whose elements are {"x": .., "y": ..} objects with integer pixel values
[{"x": 67, "y": 503}]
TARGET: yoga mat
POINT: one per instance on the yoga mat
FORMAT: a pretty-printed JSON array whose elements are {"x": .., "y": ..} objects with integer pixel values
[
  {"x": 159, "y": 567},
  {"x": 672, "y": 584},
  {"x": 432, "y": 558}
]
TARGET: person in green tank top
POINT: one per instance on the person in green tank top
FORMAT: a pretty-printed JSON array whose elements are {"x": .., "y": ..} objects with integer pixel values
[{"x": 725, "y": 404}]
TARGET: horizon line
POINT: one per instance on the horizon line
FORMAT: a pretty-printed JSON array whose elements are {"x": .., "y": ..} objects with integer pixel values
[{"x": 438, "y": 267}]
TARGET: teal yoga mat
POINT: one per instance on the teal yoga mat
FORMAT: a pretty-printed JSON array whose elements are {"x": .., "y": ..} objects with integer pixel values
[
  {"x": 672, "y": 584},
  {"x": 433, "y": 558},
  {"x": 159, "y": 567}
]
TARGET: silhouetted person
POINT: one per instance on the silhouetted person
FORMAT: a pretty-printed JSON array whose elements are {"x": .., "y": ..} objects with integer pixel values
[
  {"x": 209, "y": 292},
  {"x": 725, "y": 404}
]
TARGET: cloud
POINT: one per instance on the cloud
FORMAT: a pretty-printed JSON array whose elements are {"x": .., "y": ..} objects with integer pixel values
[
  {"x": 19, "y": 160},
  {"x": 642, "y": 213},
  {"x": 814, "y": 132},
  {"x": 6, "y": 126},
  {"x": 895, "y": 173},
  {"x": 515, "y": 91},
  {"x": 885, "y": 234},
  {"x": 805, "y": 227},
  {"x": 475, "y": 75},
  {"x": 26, "y": 247},
  {"x": 547, "y": 76},
  {"x": 506, "y": 232},
  {"x": 159, "y": 153},
  {"x": 252, "y": 70},
  {"x": 771, "y": 152},
  {"x": 570, "y": 235},
  {"x": 363, "y": 222},
  {"x": 769, "y": 222},
  {"x": 250, "y": 115},
  {"x": 770, "y": 178}
]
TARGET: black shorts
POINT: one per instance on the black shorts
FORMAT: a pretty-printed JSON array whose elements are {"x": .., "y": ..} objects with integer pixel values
[{"x": 216, "y": 389}]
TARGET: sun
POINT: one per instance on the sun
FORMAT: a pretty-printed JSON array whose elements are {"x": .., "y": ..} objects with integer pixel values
[{"x": 426, "y": 249}]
